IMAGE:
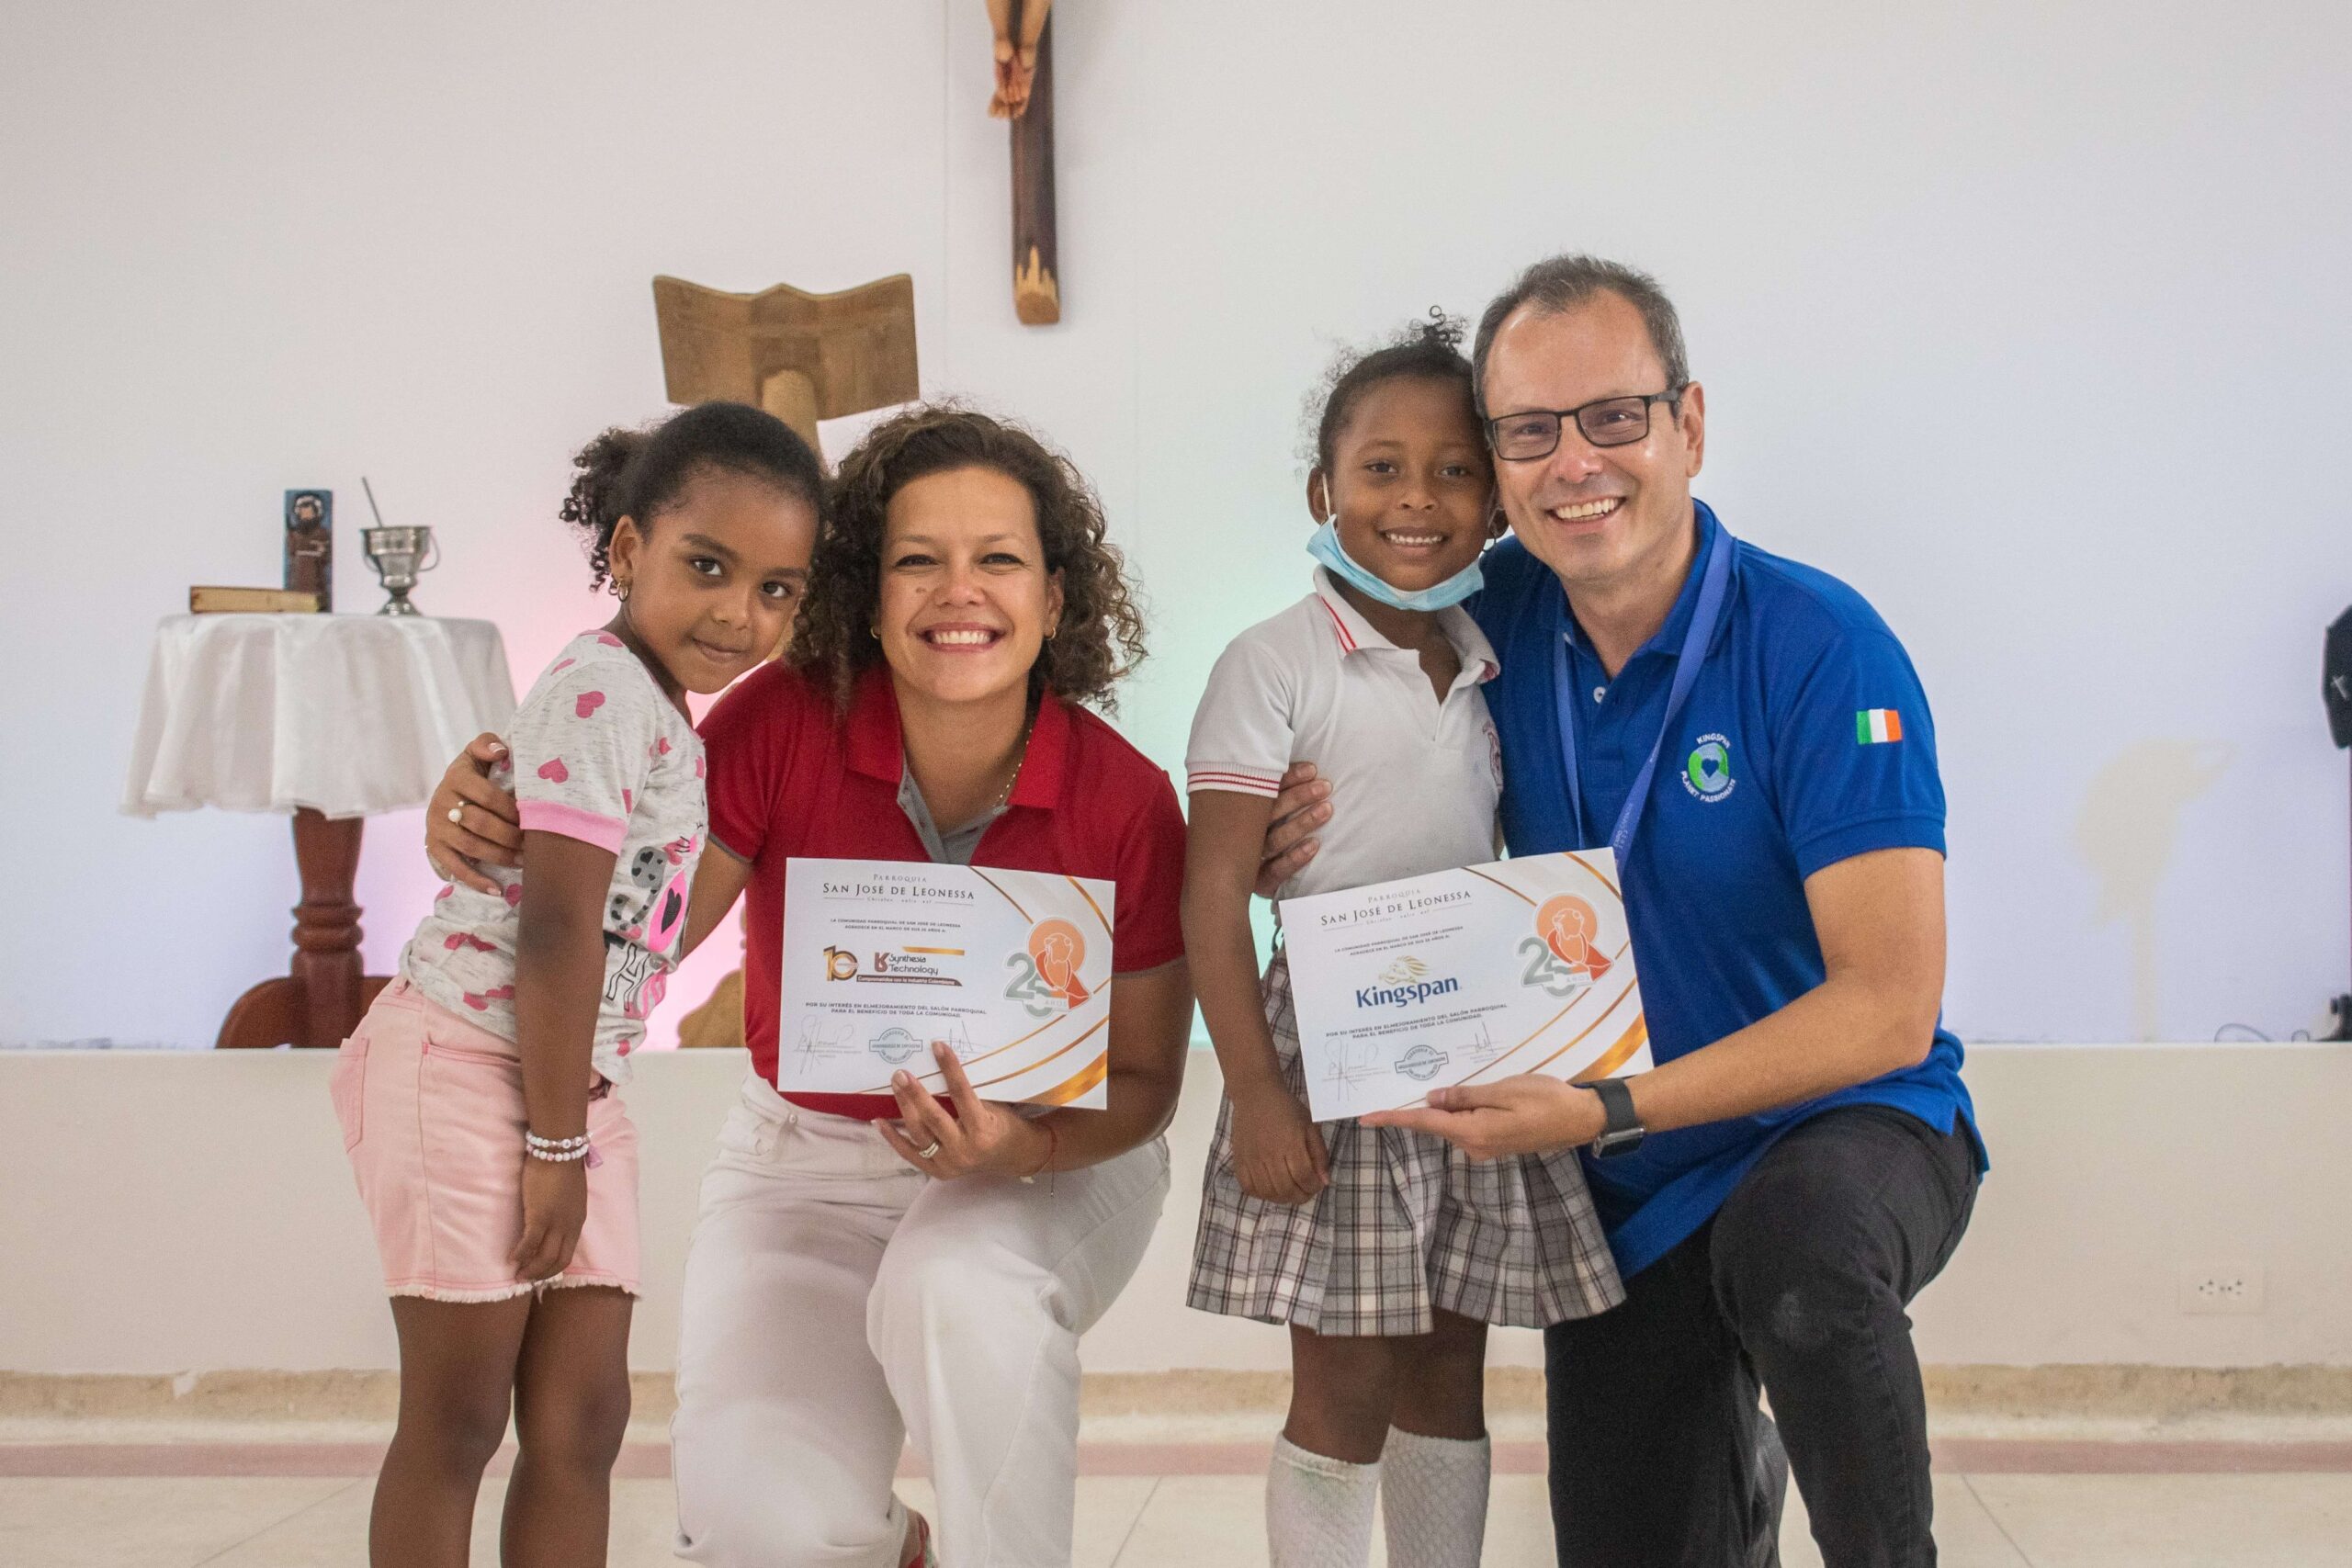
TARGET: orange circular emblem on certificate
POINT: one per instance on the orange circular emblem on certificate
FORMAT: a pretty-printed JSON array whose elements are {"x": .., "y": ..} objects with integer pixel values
[
  {"x": 1057, "y": 949},
  {"x": 1572, "y": 931}
]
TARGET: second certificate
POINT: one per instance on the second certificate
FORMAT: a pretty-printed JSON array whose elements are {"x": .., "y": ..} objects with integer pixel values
[
  {"x": 1011, "y": 969},
  {"x": 1464, "y": 976}
]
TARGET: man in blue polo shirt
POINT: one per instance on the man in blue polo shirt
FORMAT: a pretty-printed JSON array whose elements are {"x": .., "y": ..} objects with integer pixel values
[{"x": 1754, "y": 741}]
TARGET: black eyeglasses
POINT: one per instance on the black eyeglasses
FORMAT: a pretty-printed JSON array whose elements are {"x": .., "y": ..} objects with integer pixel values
[{"x": 1607, "y": 422}]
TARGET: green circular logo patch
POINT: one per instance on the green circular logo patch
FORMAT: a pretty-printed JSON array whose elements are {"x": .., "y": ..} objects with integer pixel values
[{"x": 1708, "y": 772}]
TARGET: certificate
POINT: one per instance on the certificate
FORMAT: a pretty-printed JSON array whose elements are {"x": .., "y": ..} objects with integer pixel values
[
  {"x": 1010, "y": 968},
  {"x": 1464, "y": 976}
]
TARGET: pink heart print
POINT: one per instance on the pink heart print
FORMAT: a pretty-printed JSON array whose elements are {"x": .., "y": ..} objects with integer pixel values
[
  {"x": 628, "y": 801},
  {"x": 514, "y": 894},
  {"x": 560, "y": 669},
  {"x": 553, "y": 771},
  {"x": 662, "y": 744},
  {"x": 587, "y": 702},
  {"x": 609, "y": 640}
]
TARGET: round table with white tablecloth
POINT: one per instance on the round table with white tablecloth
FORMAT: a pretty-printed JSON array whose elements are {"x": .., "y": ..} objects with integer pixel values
[{"x": 328, "y": 717}]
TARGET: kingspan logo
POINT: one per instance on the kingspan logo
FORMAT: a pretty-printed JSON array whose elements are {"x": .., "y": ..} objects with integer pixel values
[{"x": 1404, "y": 983}]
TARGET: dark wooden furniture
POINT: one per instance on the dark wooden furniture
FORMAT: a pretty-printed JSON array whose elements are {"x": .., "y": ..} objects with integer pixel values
[{"x": 322, "y": 996}]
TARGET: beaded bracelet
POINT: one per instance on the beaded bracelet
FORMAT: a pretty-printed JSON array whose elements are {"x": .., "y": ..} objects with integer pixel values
[{"x": 555, "y": 1151}]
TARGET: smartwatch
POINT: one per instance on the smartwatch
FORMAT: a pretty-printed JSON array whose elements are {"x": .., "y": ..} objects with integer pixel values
[{"x": 1624, "y": 1131}]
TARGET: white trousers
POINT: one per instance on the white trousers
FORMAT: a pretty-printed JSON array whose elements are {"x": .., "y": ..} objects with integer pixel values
[{"x": 840, "y": 1304}]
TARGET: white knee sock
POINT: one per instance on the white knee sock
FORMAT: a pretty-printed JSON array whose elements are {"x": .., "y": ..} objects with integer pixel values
[
  {"x": 1433, "y": 1499},
  {"x": 1318, "y": 1510}
]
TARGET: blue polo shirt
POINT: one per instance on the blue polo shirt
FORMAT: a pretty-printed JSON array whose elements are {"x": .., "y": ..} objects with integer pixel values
[{"x": 1784, "y": 759}]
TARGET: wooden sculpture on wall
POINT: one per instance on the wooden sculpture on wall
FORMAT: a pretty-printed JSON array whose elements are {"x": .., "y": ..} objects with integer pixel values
[
  {"x": 1024, "y": 95},
  {"x": 803, "y": 357}
]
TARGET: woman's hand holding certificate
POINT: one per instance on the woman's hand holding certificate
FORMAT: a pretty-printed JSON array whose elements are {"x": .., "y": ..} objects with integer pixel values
[{"x": 980, "y": 1137}]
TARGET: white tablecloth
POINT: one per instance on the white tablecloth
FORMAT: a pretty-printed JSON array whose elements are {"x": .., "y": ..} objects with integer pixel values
[{"x": 345, "y": 713}]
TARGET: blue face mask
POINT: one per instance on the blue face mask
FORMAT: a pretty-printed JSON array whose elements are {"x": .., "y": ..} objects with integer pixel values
[{"x": 1324, "y": 545}]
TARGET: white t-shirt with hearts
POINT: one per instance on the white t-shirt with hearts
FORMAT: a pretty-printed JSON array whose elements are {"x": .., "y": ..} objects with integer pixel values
[{"x": 596, "y": 753}]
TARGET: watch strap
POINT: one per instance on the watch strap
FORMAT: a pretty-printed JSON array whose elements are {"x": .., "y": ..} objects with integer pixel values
[{"x": 1623, "y": 1132}]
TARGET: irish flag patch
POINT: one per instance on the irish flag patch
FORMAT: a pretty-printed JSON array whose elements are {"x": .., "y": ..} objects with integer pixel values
[{"x": 1873, "y": 726}]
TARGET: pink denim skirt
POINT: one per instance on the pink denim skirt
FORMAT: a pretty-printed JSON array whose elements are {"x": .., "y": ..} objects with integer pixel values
[{"x": 432, "y": 1111}]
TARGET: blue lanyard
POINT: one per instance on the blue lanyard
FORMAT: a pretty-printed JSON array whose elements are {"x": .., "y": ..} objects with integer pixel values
[{"x": 1707, "y": 613}]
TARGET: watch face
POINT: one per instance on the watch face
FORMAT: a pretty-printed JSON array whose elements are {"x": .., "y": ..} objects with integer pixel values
[{"x": 1623, "y": 1143}]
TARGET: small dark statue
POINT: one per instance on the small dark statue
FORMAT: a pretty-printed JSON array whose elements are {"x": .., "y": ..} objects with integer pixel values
[{"x": 310, "y": 543}]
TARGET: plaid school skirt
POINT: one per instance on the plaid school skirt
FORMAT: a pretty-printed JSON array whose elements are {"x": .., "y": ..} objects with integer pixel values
[{"x": 1408, "y": 1225}]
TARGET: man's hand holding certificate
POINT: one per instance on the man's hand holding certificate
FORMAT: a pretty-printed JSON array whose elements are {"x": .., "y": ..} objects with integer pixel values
[
  {"x": 1010, "y": 969},
  {"x": 1465, "y": 976}
]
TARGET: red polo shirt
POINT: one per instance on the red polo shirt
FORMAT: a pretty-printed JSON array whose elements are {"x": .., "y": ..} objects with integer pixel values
[{"x": 789, "y": 776}]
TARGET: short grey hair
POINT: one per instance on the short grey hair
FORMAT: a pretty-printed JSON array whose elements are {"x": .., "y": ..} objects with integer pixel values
[{"x": 1562, "y": 283}]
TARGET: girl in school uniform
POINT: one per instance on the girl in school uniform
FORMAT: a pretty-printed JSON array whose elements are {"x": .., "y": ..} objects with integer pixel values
[{"x": 1385, "y": 1253}]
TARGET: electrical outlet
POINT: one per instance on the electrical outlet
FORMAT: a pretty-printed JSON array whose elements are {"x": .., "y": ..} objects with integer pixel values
[{"x": 2216, "y": 1289}]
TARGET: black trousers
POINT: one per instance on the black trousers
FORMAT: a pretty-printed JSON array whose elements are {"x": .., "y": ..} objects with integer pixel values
[{"x": 1660, "y": 1457}]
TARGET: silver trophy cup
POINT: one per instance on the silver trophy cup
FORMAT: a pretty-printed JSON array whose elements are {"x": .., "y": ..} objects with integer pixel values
[{"x": 399, "y": 554}]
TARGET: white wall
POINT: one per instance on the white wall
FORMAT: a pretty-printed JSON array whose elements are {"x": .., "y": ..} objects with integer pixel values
[
  {"x": 2024, "y": 318},
  {"x": 194, "y": 1213}
]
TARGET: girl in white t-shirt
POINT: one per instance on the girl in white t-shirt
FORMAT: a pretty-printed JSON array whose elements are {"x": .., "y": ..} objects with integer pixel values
[
  {"x": 476, "y": 1096},
  {"x": 1385, "y": 1252}
]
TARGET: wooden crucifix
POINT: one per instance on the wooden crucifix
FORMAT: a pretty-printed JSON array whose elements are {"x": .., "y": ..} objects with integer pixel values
[{"x": 1024, "y": 95}]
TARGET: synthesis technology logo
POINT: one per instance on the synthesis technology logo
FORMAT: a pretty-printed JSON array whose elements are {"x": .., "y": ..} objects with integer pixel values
[{"x": 908, "y": 966}]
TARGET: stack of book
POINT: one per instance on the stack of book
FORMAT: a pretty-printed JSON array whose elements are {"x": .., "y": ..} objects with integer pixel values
[{"x": 252, "y": 601}]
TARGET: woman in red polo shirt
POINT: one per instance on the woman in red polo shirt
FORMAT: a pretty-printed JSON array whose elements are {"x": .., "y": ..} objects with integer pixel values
[{"x": 872, "y": 1270}]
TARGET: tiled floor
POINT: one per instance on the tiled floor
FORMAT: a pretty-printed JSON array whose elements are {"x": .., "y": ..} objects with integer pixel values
[{"x": 2007, "y": 1520}]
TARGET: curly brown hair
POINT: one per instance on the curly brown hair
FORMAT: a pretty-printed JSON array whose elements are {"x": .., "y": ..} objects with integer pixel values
[{"x": 1100, "y": 637}]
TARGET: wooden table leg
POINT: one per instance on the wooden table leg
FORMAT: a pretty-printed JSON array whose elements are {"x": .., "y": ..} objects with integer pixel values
[{"x": 322, "y": 998}]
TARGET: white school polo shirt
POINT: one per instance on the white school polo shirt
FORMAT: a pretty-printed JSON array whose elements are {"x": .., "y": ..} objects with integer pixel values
[{"x": 1415, "y": 780}]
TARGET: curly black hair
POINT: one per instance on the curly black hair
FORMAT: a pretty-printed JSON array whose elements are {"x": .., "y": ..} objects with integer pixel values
[
  {"x": 1100, "y": 637},
  {"x": 641, "y": 473},
  {"x": 1428, "y": 350}
]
